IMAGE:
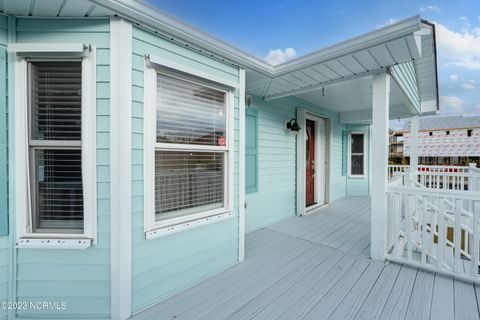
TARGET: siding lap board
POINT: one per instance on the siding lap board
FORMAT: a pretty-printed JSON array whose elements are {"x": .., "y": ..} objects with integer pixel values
[{"x": 170, "y": 264}]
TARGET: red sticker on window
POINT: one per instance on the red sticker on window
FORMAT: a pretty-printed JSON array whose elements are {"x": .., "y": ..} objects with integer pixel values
[{"x": 221, "y": 141}]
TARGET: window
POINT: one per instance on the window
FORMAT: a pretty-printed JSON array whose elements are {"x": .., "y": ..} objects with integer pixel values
[
  {"x": 469, "y": 133},
  {"x": 56, "y": 102},
  {"x": 357, "y": 154},
  {"x": 251, "y": 150},
  {"x": 447, "y": 132},
  {"x": 190, "y": 159},
  {"x": 55, "y": 112}
]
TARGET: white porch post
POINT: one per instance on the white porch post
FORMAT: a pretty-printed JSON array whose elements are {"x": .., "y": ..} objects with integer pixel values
[
  {"x": 414, "y": 122},
  {"x": 380, "y": 125}
]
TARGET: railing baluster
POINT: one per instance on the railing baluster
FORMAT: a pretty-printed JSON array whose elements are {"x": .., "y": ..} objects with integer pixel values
[
  {"x": 441, "y": 235},
  {"x": 423, "y": 230},
  {"x": 457, "y": 234},
  {"x": 397, "y": 218},
  {"x": 475, "y": 246},
  {"x": 408, "y": 227}
]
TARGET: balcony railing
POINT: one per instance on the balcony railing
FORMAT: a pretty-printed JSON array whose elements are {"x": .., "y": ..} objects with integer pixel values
[{"x": 433, "y": 220}]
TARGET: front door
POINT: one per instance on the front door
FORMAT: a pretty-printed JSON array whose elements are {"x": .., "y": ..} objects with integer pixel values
[{"x": 310, "y": 162}]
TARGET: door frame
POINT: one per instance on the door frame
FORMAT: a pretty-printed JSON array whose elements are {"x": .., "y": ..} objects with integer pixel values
[{"x": 302, "y": 116}]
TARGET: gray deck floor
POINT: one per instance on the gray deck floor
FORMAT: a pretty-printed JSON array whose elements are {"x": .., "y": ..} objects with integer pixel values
[{"x": 317, "y": 267}]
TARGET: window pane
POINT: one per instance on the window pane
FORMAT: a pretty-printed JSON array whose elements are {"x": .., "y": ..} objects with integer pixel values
[
  {"x": 357, "y": 143},
  {"x": 58, "y": 194},
  {"x": 357, "y": 165},
  {"x": 56, "y": 100},
  {"x": 188, "y": 182},
  {"x": 188, "y": 113}
]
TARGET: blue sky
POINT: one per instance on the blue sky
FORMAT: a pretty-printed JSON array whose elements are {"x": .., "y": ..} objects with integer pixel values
[{"x": 280, "y": 30}]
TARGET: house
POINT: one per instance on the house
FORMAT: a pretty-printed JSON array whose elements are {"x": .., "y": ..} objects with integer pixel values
[
  {"x": 443, "y": 140},
  {"x": 138, "y": 152},
  {"x": 395, "y": 155}
]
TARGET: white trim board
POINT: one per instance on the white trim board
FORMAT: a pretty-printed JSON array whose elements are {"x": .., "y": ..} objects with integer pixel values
[
  {"x": 241, "y": 182},
  {"x": 177, "y": 67},
  {"x": 121, "y": 167}
]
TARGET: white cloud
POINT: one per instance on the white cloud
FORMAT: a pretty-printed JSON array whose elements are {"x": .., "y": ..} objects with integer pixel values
[
  {"x": 453, "y": 77},
  {"x": 469, "y": 86},
  {"x": 462, "y": 49},
  {"x": 429, "y": 7},
  {"x": 451, "y": 104},
  {"x": 278, "y": 56},
  {"x": 388, "y": 22}
]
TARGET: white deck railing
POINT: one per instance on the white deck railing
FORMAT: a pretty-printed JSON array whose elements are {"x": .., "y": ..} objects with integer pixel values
[{"x": 434, "y": 226}]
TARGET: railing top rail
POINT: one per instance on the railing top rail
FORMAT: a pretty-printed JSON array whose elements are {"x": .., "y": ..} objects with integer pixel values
[
  {"x": 459, "y": 194},
  {"x": 448, "y": 174},
  {"x": 442, "y": 166}
]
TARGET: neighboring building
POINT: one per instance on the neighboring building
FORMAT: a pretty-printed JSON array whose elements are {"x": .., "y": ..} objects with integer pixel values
[
  {"x": 135, "y": 168},
  {"x": 442, "y": 140},
  {"x": 395, "y": 154}
]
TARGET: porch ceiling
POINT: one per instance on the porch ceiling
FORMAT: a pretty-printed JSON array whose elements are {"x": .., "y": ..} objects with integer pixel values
[{"x": 339, "y": 77}]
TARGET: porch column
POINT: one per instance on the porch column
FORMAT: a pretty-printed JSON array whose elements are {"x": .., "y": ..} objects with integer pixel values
[
  {"x": 380, "y": 134},
  {"x": 414, "y": 122}
]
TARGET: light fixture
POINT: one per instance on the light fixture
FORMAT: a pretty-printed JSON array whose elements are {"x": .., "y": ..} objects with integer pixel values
[{"x": 293, "y": 126}]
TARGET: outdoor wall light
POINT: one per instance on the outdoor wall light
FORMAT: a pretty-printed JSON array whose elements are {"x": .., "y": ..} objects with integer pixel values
[{"x": 293, "y": 126}]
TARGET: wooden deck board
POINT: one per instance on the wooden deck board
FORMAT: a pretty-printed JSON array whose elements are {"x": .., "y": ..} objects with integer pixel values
[
  {"x": 317, "y": 267},
  {"x": 442, "y": 301}
]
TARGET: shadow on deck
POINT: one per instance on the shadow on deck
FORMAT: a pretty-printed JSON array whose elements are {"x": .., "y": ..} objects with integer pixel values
[{"x": 318, "y": 267}]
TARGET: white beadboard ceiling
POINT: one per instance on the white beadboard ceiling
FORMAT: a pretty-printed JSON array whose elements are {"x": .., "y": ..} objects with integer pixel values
[{"x": 53, "y": 8}]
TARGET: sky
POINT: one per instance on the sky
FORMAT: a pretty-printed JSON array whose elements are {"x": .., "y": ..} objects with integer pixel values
[{"x": 277, "y": 31}]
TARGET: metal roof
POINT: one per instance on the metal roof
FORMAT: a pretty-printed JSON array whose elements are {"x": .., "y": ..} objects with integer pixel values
[{"x": 445, "y": 122}]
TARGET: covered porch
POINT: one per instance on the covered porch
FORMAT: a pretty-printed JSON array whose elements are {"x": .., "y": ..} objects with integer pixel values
[{"x": 318, "y": 267}]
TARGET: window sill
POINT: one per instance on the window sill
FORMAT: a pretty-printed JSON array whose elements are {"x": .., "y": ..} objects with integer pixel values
[
  {"x": 161, "y": 232},
  {"x": 39, "y": 243}
]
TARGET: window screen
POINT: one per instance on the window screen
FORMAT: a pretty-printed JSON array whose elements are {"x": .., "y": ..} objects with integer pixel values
[
  {"x": 189, "y": 180},
  {"x": 357, "y": 154},
  {"x": 55, "y": 98}
]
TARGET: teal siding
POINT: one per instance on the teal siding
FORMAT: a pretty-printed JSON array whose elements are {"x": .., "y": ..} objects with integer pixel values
[
  {"x": 4, "y": 239},
  {"x": 275, "y": 199},
  {"x": 360, "y": 186},
  {"x": 81, "y": 278},
  {"x": 251, "y": 150},
  {"x": 170, "y": 264},
  {"x": 406, "y": 77}
]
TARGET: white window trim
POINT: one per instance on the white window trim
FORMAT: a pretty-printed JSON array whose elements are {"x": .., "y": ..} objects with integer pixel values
[
  {"x": 350, "y": 175},
  {"x": 152, "y": 228},
  {"x": 22, "y": 169}
]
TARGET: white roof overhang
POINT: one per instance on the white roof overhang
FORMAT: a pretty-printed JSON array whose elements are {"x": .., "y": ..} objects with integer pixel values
[{"x": 408, "y": 40}]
